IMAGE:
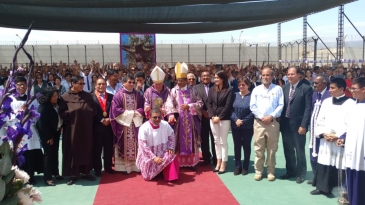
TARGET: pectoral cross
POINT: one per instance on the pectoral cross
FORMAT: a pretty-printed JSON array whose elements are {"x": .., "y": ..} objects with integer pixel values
[{"x": 183, "y": 96}]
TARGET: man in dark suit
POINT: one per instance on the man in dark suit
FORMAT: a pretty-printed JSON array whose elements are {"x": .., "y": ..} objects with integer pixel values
[
  {"x": 294, "y": 123},
  {"x": 102, "y": 130},
  {"x": 320, "y": 93},
  {"x": 51, "y": 80},
  {"x": 206, "y": 133},
  {"x": 302, "y": 79}
]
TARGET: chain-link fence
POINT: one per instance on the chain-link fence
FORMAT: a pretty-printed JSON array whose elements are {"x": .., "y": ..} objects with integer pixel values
[{"x": 192, "y": 51}]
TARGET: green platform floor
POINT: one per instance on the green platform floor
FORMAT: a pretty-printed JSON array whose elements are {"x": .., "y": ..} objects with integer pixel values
[{"x": 245, "y": 189}]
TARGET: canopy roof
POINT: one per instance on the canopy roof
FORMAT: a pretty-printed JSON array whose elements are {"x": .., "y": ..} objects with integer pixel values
[{"x": 154, "y": 16}]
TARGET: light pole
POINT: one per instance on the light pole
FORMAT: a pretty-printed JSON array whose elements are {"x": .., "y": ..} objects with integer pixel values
[{"x": 239, "y": 39}]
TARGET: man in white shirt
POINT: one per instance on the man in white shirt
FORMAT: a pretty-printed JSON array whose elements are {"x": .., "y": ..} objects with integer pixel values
[
  {"x": 112, "y": 83},
  {"x": 87, "y": 75},
  {"x": 267, "y": 101}
]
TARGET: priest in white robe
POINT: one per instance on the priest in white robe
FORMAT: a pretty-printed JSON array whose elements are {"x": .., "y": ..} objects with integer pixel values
[
  {"x": 330, "y": 125},
  {"x": 34, "y": 155},
  {"x": 156, "y": 143},
  {"x": 354, "y": 141}
]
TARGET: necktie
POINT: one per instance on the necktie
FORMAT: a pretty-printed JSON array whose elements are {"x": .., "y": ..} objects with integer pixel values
[
  {"x": 287, "y": 114},
  {"x": 206, "y": 89},
  {"x": 319, "y": 96},
  {"x": 102, "y": 96},
  {"x": 87, "y": 82}
]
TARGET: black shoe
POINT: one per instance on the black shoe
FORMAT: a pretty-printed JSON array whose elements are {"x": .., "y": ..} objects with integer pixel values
[
  {"x": 98, "y": 173},
  {"x": 315, "y": 192},
  {"x": 88, "y": 177},
  {"x": 194, "y": 168},
  {"x": 287, "y": 176},
  {"x": 215, "y": 170},
  {"x": 124, "y": 172},
  {"x": 300, "y": 180},
  {"x": 222, "y": 172},
  {"x": 110, "y": 171},
  {"x": 59, "y": 177},
  {"x": 50, "y": 184},
  {"x": 71, "y": 181},
  {"x": 244, "y": 172},
  {"x": 310, "y": 182},
  {"x": 237, "y": 171}
]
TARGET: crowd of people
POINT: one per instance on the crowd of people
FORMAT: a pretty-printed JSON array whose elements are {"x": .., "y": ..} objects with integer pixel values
[{"x": 157, "y": 118}]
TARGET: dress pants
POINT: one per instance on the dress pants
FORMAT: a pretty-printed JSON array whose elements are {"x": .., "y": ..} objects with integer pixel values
[
  {"x": 294, "y": 149},
  {"x": 103, "y": 140},
  {"x": 206, "y": 134},
  {"x": 266, "y": 138},
  {"x": 220, "y": 133},
  {"x": 50, "y": 163},
  {"x": 242, "y": 139}
]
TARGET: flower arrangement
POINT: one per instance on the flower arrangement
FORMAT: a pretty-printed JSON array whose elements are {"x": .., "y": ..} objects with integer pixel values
[{"x": 13, "y": 188}]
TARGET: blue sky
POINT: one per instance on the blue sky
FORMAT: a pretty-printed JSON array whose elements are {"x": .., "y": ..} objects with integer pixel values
[{"x": 324, "y": 23}]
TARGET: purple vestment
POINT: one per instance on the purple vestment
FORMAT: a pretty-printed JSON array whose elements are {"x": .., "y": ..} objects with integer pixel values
[
  {"x": 126, "y": 137},
  {"x": 187, "y": 126},
  {"x": 151, "y": 94}
]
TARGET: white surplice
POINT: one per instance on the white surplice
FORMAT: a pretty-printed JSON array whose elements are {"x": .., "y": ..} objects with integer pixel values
[
  {"x": 33, "y": 142},
  {"x": 331, "y": 120}
]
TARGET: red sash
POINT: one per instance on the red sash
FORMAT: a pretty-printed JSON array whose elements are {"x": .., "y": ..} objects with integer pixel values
[{"x": 102, "y": 104}]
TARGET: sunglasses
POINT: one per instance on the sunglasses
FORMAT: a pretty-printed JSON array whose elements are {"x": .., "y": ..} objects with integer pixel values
[{"x": 157, "y": 117}]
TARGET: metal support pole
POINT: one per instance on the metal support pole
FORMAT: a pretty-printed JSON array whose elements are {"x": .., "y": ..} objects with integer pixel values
[
  {"x": 315, "y": 50},
  {"x": 85, "y": 55},
  {"x": 50, "y": 52},
  {"x": 363, "y": 37},
  {"x": 102, "y": 51},
  {"x": 279, "y": 41},
  {"x": 298, "y": 43},
  {"x": 205, "y": 56},
  {"x": 340, "y": 32},
  {"x": 363, "y": 49},
  {"x": 291, "y": 51},
  {"x": 171, "y": 57},
  {"x": 189, "y": 53},
  {"x": 222, "y": 53},
  {"x": 239, "y": 54},
  {"x": 321, "y": 40},
  {"x": 286, "y": 53},
  {"x": 68, "y": 55},
  {"x": 304, "y": 37},
  {"x": 256, "y": 52},
  {"x": 268, "y": 53}
]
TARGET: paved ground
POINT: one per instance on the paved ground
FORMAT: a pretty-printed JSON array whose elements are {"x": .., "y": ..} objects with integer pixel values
[{"x": 246, "y": 190}]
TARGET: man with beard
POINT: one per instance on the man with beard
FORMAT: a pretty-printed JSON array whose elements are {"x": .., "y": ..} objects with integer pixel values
[{"x": 266, "y": 104}]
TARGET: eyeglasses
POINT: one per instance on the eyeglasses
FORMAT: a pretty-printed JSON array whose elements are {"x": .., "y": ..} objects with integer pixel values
[
  {"x": 20, "y": 85},
  {"x": 156, "y": 117},
  {"x": 353, "y": 89},
  {"x": 131, "y": 82},
  {"x": 191, "y": 79},
  {"x": 81, "y": 83}
]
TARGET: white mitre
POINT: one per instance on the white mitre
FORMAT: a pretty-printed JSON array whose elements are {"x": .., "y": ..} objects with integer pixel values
[{"x": 157, "y": 75}]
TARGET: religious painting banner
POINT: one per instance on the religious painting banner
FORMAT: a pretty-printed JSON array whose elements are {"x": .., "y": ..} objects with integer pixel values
[{"x": 137, "y": 48}]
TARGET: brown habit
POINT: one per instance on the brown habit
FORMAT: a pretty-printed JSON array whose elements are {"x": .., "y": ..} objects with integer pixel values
[{"x": 77, "y": 111}]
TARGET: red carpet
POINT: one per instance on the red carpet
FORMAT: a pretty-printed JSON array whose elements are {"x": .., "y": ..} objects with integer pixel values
[{"x": 202, "y": 187}]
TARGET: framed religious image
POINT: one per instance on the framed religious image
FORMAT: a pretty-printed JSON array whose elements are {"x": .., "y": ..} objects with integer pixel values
[{"x": 136, "y": 49}]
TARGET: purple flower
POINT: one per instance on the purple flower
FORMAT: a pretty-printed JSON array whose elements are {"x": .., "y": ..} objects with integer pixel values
[
  {"x": 34, "y": 113},
  {"x": 12, "y": 133}
]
